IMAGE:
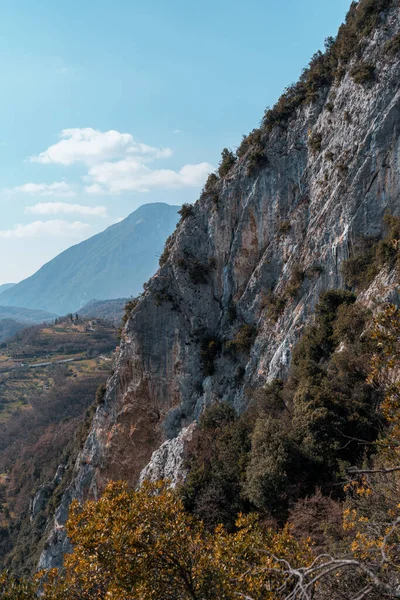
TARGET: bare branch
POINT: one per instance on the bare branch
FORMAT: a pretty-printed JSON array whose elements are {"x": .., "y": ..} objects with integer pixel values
[{"x": 356, "y": 471}]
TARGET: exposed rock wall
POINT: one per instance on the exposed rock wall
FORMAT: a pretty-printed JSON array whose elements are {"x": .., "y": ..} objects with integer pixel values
[{"x": 324, "y": 198}]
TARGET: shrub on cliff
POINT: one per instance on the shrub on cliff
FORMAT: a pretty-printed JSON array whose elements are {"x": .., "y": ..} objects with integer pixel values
[
  {"x": 323, "y": 68},
  {"x": 363, "y": 73},
  {"x": 392, "y": 47},
  {"x": 129, "y": 307},
  {"x": 186, "y": 211},
  {"x": 216, "y": 458},
  {"x": 210, "y": 189},
  {"x": 228, "y": 160},
  {"x": 243, "y": 340},
  {"x": 369, "y": 255}
]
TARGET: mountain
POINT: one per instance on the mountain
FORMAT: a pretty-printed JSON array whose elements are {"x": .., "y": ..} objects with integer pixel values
[
  {"x": 13, "y": 319},
  {"x": 274, "y": 229},
  {"x": 26, "y": 315},
  {"x": 6, "y": 286},
  {"x": 111, "y": 264},
  {"x": 109, "y": 310}
]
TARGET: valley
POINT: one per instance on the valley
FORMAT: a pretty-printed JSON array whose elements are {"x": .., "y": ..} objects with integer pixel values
[{"x": 49, "y": 375}]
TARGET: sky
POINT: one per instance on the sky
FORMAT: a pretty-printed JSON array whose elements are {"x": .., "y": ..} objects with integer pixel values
[{"x": 108, "y": 105}]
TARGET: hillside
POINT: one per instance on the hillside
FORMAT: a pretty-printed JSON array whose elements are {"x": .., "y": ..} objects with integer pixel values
[
  {"x": 9, "y": 327},
  {"x": 240, "y": 280},
  {"x": 111, "y": 264},
  {"x": 26, "y": 315},
  {"x": 14, "y": 319},
  {"x": 48, "y": 380},
  {"x": 6, "y": 286},
  {"x": 110, "y": 310}
]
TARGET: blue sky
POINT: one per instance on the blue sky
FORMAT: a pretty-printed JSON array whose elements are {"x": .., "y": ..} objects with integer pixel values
[{"x": 106, "y": 105}]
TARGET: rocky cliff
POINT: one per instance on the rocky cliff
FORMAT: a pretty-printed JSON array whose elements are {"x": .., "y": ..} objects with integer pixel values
[{"x": 241, "y": 275}]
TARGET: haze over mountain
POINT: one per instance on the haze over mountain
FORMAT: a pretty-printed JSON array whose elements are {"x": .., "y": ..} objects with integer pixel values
[
  {"x": 26, "y": 315},
  {"x": 13, "y": 319},
  {"x": 109, "y": 310},
  {"x": 6, "y": 286},
  {"x": 111, "y": 264}
]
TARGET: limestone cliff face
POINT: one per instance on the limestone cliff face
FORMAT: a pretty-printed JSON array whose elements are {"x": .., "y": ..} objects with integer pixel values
[{"x": 327, "y": 177}]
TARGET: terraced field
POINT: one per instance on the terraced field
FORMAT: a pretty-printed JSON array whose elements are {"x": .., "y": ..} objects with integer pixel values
[
  {"x": 38, "y": 357},
  {"x": 48, "y": 381}
]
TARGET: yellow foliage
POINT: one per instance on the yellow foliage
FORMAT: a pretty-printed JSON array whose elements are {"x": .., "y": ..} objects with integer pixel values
[{"x": 142, "y": 545}]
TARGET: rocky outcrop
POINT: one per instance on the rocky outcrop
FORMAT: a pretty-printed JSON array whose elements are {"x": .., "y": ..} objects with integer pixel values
[
  {"x": 259, "y": 256},
  {"x": 43, "y": 495},
  {"x": 167, "y": 462}
]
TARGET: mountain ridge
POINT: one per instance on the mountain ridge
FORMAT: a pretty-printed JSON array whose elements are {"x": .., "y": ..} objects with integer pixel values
[{"x": 111, "y": 264}]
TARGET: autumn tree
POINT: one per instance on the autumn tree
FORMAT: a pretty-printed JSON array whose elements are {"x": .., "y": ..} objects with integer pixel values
[{"x": 143, "y": 545}]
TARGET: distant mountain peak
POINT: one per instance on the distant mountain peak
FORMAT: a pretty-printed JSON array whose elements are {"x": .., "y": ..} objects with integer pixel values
[{"x": 112, "y": 264}]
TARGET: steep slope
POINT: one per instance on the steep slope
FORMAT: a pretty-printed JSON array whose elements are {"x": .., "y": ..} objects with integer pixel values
[
  {"x": 112, "y": 264},
  {"x": 6, "y": 286},
  {"x": 243, "y": 272}
]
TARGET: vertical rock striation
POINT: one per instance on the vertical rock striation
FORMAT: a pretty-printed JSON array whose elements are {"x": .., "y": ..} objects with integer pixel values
[{"x": 270, "y": 244}]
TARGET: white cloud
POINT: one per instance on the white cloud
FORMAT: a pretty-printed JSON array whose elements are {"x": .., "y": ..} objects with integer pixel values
[
  {"x": 94, "y": 188},
  {"x": 91, "y": 146},
  {"x": 58, "y": 188},
  {"x": 54, "y": 208},
  {"x": 45, "y": 228},
  {"x": 115, "y": 162},
  {"x": 131, "y": 175}
]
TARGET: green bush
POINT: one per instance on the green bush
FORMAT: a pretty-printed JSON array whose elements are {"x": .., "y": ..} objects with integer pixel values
[
  {"x": 199, "y": 272},
  {"x": 284, "y": 227},
  {"x": 295, "y": 436},
  {"x": 392, "y": 47},
  {"x": 295, "y": 282},
  {"x": 325, "y": 67},
  {"x": 363, "y": 73},
  {"x": 256, "y": 160},
  {"x": 254, "y": 146},
  {"x": 209, "y": 350},
  {"x": 164, "y": 295},
  {"x": 361, "y": 268},
  {"x": 186, "y": 211},
  {"x": 167, "y": 249},
  {"x": 314, "y": 271},
  {"x": 129, "y": 307},
  {"x": 275, "y": 305},
  {"x": 329, "y": 155},
  {"x": 243, "y": 340},
  {"x": 100, "y": 394},
  {"x": 228, "y": 160},
  {"x": 210, "y": 189},
  {"x": 315, "y": 142},
  {"x": 370, "y": 255},
  {"x": 253, "y": 139},
  {"x": 216, "y": 458}
]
